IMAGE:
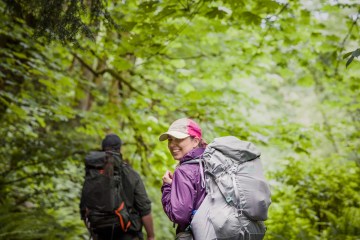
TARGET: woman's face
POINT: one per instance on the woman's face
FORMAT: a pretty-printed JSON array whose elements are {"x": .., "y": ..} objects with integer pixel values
[{"x": 179, "y": 147}]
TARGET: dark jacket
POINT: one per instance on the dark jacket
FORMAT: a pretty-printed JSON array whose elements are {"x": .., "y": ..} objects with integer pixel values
[
  {"x": 136, "y": 199},
  {"x": 136, "y": 196}
]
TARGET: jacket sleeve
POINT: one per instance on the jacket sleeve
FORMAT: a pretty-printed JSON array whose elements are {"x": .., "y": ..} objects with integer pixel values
[
  {"x": 178, "y": 198},
  {"x": 142, "y": 202}
]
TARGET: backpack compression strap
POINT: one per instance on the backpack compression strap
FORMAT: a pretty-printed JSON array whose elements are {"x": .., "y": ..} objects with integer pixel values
[
  {"x": 123, "y": 203},
  {"x": 122, "y": 224}
]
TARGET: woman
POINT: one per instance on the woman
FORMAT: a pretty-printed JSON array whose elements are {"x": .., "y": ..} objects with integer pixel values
[{"x": 183, "y": 191}]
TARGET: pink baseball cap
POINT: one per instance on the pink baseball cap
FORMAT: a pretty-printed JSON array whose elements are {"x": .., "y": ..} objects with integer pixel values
[{"x": 182, "y": 128}]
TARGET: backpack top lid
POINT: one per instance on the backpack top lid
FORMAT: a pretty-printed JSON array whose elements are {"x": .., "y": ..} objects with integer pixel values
[
  {"x": 234, "y": 148},
  {"x": 96, "y": 159}
]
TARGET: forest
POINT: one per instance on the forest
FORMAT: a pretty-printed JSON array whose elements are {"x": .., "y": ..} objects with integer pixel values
[{"x": 282, "y": 74}]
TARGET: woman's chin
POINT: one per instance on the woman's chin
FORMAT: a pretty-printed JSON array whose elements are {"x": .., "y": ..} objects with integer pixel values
[{"x": 176, "y": 157}]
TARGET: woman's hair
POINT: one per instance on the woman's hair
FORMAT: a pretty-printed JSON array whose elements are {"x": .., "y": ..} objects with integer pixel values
[{"x": 202, "y": 143}]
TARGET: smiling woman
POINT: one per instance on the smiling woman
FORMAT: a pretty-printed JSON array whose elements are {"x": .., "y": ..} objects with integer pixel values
[
  {"x": 183, "y": 191},
  {"x": 179, "y": 147}
]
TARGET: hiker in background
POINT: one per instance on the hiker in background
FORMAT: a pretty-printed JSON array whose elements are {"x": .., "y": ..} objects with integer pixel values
[
  {"x": 184, "y": 190},
  {"x": 135, "y": 197}
]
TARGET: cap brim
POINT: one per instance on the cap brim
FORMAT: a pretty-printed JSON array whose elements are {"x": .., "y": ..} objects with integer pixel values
[{"x": 175, "y": 134}]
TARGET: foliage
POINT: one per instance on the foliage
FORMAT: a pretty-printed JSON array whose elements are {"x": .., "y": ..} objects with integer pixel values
[
  {"x": 60, "y": 20},
  {"x": 270, "y": 72},
  {"x": 352, "y": 55},
  {"x": 314, "y": 202}
]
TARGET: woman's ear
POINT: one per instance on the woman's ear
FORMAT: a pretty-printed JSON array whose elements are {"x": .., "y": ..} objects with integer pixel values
[{"x": 196, "y": 142}]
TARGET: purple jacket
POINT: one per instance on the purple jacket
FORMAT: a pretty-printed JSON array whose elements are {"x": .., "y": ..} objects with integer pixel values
[{"x": 185, "y": 194}]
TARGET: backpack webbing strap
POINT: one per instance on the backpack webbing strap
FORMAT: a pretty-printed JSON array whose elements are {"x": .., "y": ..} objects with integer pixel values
[
  {"x": 199, "y": 161},
  {"x": 121, "y": 220},
  {"x": 123, "y": 204},
  {"x": 192, "y": 161},
  {"x": 239, "y": 198}
]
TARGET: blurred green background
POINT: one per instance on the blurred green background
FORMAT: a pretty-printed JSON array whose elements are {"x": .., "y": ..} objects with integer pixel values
[{"x": 281, "y": 74}]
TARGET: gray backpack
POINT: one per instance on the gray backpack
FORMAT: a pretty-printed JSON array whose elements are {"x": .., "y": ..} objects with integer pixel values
[{"x": 238, "y": 196}]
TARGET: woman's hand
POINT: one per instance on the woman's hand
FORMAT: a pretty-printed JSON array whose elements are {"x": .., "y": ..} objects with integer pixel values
[{"x": 167, "y": 178}]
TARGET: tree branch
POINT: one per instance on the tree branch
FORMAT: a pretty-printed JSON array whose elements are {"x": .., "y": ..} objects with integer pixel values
[
  {"x": 117, "y": 76},
  {"x": 189, "y": 57},
  {"x": 26, "y": 177},
  {"x": 112, "y": 72},
  {"x": 342, "y": 45},
  {"x": 190, "y": 17}
]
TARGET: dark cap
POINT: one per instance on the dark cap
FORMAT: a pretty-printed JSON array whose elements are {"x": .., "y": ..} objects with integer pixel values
[{"x": 111, "y": 141}]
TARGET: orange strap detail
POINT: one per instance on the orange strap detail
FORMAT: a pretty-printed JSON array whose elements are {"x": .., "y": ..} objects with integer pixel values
[
  {"x": 117, "y": 212},
  {"x": 121, "y": 220},
  {"x": 128, "y": 225}
]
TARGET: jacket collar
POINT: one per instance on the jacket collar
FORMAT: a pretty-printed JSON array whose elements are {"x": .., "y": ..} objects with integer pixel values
[{"x": 195, "y": 153}]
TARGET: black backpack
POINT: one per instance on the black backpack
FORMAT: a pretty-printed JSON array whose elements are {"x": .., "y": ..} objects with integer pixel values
[{"x": 103, "y": 198}]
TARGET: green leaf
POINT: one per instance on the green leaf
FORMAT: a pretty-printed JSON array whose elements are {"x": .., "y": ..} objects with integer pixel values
[
  {"x": 356, "y": 53},
  {"x": 250, "y": 18},
  {"x": 122, "y": 64},
  {"x": 346, "y": 55},
  {"x": 41, "y": 121},
  {"x": 178, "y": 63},
  {"x": 268, "y": 5},
  {"x": 353, "y": 54},
  {"x": 20, "y": 55},
  {"x": 305, "y": 81},
  {"x": 215, "y": 12},
  {"x": 18, "y": 110},
  {"x": 185, "y": 87},
  {"x": 128, "y": 26},
  {"x": 166, "y": 12},
  {"x": 148, "y": 6},
  {"x": 349, "y": 60}
]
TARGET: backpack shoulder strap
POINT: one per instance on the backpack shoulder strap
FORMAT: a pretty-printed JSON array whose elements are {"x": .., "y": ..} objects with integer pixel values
[{"x": 200, "y": 162}]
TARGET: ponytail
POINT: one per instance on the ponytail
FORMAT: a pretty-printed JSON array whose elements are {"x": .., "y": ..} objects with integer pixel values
[{"x": 202, "y": 143}]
